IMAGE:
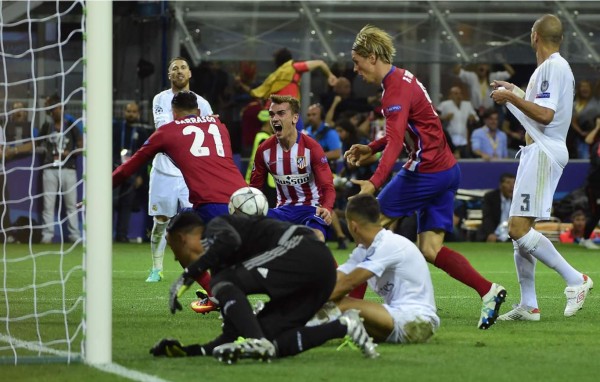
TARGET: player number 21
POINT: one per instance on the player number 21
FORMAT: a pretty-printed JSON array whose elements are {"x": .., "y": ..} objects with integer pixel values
[{"x": 198, "y": 149}]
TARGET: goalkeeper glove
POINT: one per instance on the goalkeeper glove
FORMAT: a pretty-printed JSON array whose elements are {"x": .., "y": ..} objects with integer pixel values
[
  {"x": 178, "y": 288},
  {"x": 168, "y": 347}
]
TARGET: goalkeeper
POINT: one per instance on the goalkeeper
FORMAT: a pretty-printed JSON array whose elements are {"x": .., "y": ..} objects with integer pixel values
[{"x": 258, "y": 255}]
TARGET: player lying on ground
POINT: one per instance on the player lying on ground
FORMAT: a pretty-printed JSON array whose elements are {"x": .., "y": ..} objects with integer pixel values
[{"x": 258, "y": 255}]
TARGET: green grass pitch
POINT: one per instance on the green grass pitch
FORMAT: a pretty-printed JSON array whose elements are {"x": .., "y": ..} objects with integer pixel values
[{"x": 554, "y": 349}]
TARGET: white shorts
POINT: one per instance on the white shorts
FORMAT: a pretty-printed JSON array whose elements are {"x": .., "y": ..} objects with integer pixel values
[
  {"x": 537, "y": 178},
  {"x": 410, "y": 326},
  {"x": 167, "y": 193}
]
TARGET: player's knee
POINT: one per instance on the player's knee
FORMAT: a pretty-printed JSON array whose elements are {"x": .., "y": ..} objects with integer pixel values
[
  {"x": 430, "y": 254},
  {"x": 517, "y": 228},
  {"x": 161, "y": 219},
  {"x": 220, "y": 286},
  {"x": 319, "y": 234}
]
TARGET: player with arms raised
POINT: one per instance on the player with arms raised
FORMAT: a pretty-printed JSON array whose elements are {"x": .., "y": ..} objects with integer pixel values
[
  {"x": 167, "y": 187},
  {"x": 430, "y": 177},
  {"x": 201, "y": 148}
]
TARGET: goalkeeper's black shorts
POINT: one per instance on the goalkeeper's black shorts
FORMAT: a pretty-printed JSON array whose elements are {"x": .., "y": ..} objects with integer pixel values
[{"x": 298, "y": 276}]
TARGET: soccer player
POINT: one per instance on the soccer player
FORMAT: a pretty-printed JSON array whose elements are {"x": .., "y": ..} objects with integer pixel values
[
  {"x": 201, "y": 148},
  {"x": 251, "y": 255},
  {"x": 305, "y": 192},
  {"x": 167, "y": 187},
  {"x": 395, "y": 270},
  {"x": 545, "y": 111},
  {"x": 429, "y": 179}
]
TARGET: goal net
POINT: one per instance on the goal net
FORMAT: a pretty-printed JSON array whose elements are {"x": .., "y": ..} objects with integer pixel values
[{"x": 42, "y": 172}]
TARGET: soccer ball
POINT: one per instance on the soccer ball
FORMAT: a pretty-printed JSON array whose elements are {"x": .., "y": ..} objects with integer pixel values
[{"x": 250, "y": 201}]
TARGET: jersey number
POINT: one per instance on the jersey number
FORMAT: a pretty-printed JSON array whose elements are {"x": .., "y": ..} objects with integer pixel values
[
  {"x": 526, "y": 202},
  {"x": 197, "y": 149}
]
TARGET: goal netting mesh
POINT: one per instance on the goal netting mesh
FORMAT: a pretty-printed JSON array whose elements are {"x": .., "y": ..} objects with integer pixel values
[{"x": 42, "y": 304}]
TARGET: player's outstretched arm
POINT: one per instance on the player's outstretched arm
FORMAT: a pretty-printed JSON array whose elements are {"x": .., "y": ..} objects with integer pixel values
[
  {"x": 179, "y": 287},
  {"x": 170, "y": 347}
]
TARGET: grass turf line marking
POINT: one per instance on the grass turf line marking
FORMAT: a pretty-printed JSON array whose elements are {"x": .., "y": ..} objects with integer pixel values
[
  {"x": 124, "y": 372},
  {"x": 112, "y": 368}
]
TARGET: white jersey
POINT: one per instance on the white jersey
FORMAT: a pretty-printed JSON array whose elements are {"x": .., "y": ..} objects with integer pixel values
[
  {"x": 457, "y": 126},
  {"x": 552, "y": 85},
  {"x": 163, "y": 114},
  {"x": 480, "y": 92},
  {"x": 401, "y": 278}
]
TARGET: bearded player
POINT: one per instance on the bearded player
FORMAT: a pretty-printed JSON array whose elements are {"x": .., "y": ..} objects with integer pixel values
[{"x": 168, "y": 190}]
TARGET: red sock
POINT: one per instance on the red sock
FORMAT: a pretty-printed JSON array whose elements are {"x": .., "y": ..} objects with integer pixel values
[
  {"x": 204, "y": 281},
  {"x": 458, "y": 267},
  {"x": 359, "y": 291}
]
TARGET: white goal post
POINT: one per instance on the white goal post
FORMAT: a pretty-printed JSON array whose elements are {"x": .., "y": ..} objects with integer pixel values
[
  {"x": 98, "y": 230},
  {"x": 62, "y": 48}
]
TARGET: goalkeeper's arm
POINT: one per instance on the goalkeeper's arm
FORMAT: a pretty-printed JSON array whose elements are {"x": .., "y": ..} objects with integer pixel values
[
  {"x": 169, "y": 347},
  {"x": 223, "y": 241}
]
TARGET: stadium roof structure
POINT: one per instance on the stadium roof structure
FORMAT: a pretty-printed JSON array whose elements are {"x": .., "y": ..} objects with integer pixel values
[{"x": 424, "y": 31}]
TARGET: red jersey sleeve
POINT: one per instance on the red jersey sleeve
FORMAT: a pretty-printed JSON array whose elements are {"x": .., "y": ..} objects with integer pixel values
[
  {"x": 259, "y": 167},
  {"x": 395, "y": 105},
  {"x": 323, "y": 177},
  {"x": 378, "y": 145},
  {"x": 145, "y": 154}
]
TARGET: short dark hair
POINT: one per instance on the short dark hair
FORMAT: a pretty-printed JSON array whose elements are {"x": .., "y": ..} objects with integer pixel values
[
  {"x": 349, "y": 128},
  {"x": 489, "y": 112},
  {"x": 506, "y": 175},
  {"x": 184, "y": 222},
  {"x": 363, "y": 207},
  {"x": 53, "y": 99},
  {"x": 282, "y": 56},
  {"x": 178, "y": 59},
  {"x": 577, "y": 214},
  {"x": 185, "y": 100},
  {"x": 279, "y": 99}
]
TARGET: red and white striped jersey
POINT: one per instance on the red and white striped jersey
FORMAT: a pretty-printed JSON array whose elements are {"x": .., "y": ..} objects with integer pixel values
[{"x": 302, "y": 174}]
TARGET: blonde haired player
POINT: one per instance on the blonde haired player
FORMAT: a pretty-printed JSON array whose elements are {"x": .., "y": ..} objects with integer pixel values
[
  {"x": 545, "y": 113},
  {"x": 429, "y": 179},
  {"x": 168, "y": 190}
]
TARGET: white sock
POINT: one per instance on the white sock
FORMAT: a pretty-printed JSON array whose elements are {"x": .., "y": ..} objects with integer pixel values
[
  {"x": 158, "y": 243},
  {"x": 541, "y": 248},
  {"x": 547, "y": 254},
  {"x": 525, "y": 264}
]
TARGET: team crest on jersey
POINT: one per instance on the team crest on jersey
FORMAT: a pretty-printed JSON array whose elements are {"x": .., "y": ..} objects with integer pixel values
[{"x": 301, "y": 162}]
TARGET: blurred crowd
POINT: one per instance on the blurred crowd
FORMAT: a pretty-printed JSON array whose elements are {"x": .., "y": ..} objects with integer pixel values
[{"x": 337, "y": 118}]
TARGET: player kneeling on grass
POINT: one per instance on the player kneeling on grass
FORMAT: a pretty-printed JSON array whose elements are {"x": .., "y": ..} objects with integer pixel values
[
  {"x": 395, "y": 269},
  {"x": 258, "y": 255}
]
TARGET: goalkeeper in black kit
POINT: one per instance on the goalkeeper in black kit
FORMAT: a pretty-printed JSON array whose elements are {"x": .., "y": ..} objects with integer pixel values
[{"x": 258, "y": 255}]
